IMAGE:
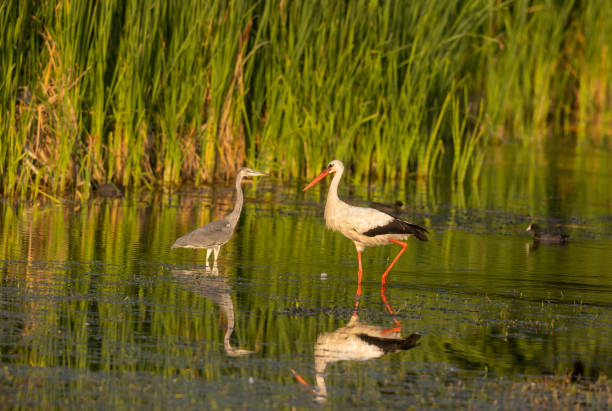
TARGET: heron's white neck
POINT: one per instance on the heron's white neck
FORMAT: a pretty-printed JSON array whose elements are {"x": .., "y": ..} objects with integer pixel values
[{"x": 235, "y": 214}]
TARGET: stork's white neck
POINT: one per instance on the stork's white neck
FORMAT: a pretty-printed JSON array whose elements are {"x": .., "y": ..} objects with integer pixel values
[{"x": 332, "y": 195}]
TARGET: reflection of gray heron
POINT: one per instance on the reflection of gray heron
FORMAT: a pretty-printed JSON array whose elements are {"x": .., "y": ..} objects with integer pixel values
[
  {"x": 217, "y": 289},
  {"x": 213, "y": 235},
  {"x": 365, "y": 226},
  {"x": 356, "y": 341}
]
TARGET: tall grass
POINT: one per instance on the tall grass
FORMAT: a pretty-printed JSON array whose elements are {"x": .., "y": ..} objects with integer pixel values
[{"x": 184, "y": 92}]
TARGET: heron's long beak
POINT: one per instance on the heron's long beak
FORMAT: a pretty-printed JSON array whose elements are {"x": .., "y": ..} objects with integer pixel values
[
  {"x": 257, "y": 173},
  {"x": 318, "y": 178}
]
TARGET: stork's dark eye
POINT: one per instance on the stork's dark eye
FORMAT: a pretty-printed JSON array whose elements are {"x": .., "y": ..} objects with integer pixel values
[{"x": 330, "y": 165}]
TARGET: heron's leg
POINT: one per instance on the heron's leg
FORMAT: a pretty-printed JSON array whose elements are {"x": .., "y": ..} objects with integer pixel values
[
  {"x": 217, "y": 248},
  {"x": 208, "y": 251},
  {"x": 383, "y": 286},
  {"x": 359, "y": 275}
]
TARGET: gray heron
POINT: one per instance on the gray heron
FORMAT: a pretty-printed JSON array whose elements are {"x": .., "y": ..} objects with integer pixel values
[
  {"x": 213, "y": 235},
  {"x": 365, "y": 226}
]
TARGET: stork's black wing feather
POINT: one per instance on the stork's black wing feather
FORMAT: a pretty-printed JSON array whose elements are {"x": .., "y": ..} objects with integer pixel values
[{"x": 398, "y": 226}]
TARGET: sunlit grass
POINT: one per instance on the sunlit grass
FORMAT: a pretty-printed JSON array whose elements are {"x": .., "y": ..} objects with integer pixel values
[{"x": 187, "y": 92}]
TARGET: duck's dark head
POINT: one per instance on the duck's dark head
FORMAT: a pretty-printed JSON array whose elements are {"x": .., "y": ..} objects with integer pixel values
[{"x": 532, "y": 227}]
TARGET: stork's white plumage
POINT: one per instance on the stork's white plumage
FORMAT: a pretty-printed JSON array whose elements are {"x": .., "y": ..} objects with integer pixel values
[{"x": 365, "y": 226}]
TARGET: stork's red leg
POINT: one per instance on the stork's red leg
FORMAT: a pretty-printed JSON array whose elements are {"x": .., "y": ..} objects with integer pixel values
[
  {"x": 383, "y": 286},
  {"x": 301, "y": 380},
  {"x": 404, "y": 245},
  {"x": 359, "y": 275},
  {"x": 398, "y": 327}
]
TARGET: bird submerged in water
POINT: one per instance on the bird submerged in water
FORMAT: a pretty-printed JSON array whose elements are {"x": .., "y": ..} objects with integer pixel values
[
  {"x": 545, "y": 237},
  {"x": 393, "y": 209},
  {"x": 213, "y": 235},
  {"x": 109, "y": 190},
  {"x": 365, "y": 226}
]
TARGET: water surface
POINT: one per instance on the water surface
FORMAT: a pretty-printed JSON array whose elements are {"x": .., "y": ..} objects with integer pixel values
[{"x": 96, "y": 310}]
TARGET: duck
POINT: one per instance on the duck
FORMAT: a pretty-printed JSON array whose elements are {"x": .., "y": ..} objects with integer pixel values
[
  {"x": 393, "y": 209},
  {"x": 109, "y": 190},
  {"x": 546, "y": 237}
]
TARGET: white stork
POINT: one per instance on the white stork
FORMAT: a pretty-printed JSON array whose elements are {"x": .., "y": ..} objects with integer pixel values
[{"x": 365, "y": 227}]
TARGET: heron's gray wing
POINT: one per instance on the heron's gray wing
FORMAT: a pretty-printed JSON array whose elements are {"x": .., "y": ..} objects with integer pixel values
[{"x": 213, "y": 234}]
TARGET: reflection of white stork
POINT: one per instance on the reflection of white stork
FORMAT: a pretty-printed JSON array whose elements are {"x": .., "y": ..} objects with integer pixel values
[
  {"x": 217, "y": 289},
  {"x": 365, "y": 226},
  {"x": 356, "y": 341}
]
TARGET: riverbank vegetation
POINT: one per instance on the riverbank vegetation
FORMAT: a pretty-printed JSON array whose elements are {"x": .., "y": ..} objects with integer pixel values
[{"x": 184, "y": 92}]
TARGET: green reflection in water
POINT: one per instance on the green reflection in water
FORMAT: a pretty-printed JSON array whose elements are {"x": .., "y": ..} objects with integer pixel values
[{"x": 96, "y": 309}]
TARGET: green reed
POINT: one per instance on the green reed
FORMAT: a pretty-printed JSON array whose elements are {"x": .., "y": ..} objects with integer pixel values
[
  {"x": 184, "y": 92},
  {"x": 466, "y": 140}
]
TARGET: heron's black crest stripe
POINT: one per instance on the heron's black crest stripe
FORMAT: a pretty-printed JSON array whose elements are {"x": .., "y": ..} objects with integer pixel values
[
  {"x": 390, "y": 345},
  {"x": 398, "y": 226}
]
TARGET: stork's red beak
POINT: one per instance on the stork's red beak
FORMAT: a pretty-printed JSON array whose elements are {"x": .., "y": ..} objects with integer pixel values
[{"x": 318, "y": 178}]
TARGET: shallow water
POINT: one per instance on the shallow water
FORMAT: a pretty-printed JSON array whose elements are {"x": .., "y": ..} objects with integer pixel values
[{"x": 96, "y": 310}]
